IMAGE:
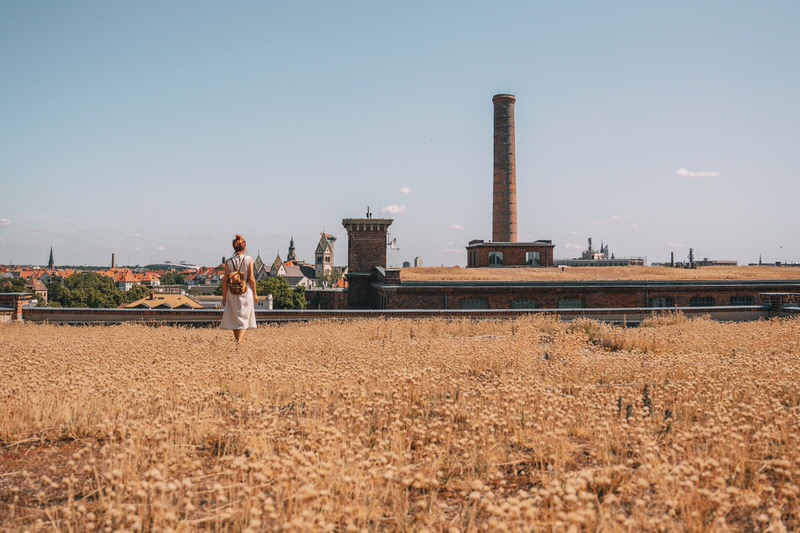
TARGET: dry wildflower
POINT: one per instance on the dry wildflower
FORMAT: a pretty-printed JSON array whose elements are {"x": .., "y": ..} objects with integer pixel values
[{"x": 489, "y": 425}]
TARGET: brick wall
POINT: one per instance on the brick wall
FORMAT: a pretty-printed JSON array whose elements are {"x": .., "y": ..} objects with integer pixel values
[
  {"x": 504, "y": 209},
  {"x": 366, "y": 243},
  {"x": 513, "y": 254},
  {"x": 444, "y": 297}
]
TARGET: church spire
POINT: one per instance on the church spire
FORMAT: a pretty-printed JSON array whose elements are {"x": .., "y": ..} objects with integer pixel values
[
  {"x": 51, "y": 264},
  {"x": 291, "y": 256}
]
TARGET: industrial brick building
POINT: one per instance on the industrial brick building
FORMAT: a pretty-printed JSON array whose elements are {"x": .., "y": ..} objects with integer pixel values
[
  {"x": 373, "y": 286},
  {"x": 504, "y": 250}
]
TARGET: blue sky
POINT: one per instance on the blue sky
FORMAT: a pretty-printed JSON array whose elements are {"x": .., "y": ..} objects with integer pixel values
[{"x": 158, "y": 130}]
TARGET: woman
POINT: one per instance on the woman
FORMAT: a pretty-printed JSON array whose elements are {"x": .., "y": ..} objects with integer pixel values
[{"x": 239, "y": 310}]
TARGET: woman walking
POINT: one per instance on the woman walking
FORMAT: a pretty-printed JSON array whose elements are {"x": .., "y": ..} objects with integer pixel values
[{"x": 239, "y": 296}]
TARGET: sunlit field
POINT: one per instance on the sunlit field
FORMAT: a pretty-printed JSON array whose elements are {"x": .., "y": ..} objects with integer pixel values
[
  {"x": 524, "y": 425},
  {"x": 600, "y": 274}
]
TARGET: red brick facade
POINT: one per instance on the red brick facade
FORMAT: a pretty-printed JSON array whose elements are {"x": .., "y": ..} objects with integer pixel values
[
  {"x": 506, "y": 254},
  {"x": 366, "y": 250},
  {"x": 553, "y": 295},
  {"x": 366, "y": 243}
]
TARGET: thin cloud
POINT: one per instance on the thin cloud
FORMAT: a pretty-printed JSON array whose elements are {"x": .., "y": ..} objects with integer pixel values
[
  {"x": 394, "y": 209},
  {"x": 634, "y": 226},
  {"x": 617, "y": 217},
  {"x": 5, "y": 223},
  {"x": 404, "y": 190},
  {"x": 682, "y": 172},
  {"x": 573, "y": 232},
  {"x": 456, "y": 226},
  {"x": 573, "y": 246},
  {"x": 454, "y": 250},
  {"x": 160, "y": 248}
]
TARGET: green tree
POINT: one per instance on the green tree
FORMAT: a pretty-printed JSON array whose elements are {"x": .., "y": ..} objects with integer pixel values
[
  {"x": 91, "y": 290},
  {"x": 173, "y": 278},
  {"x": 137, "y": 292},
  {"x": 283, "y": 296},
  {"x": 329, "y": 279},
  {"x": 13, "y": 285}
]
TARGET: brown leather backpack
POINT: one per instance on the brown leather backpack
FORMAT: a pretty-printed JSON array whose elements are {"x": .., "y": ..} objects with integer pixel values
[{"x": 237, "y": 283}]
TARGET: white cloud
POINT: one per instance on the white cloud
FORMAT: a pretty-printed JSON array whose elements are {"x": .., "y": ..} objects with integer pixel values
[
  {"x": 454, "y": 250},
  {"x": 617, "y": 217},
  {"x": 4, "y": 223},
  {"x": 676, "y": 245},
  {"x": 692, "y": 174},
  {"x": 573, "y": 232},
  {"x": 404, "y": 190},
  {"x": 456, "y": 226},
  {"x": 634, "y": 226},
  {"x": 160, "y": 248},
  {"x": 573, "y": 246},
  {"x": 394, "y": 209}
]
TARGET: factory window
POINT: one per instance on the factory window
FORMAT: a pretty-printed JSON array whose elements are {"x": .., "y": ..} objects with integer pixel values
[
  {"x": 533, "y": 259},
  {"x": 495, "y": 258},
  {"x": 742, "y": 300},
  {"x": 523, "y": 304},
  {"x": 473, "y": 259},
  {"x": 663, "y": 301},
  {"x": 701, "y": 301},
  {"x": 570, "y": 303},
  {"x": 475, "y": 303}
]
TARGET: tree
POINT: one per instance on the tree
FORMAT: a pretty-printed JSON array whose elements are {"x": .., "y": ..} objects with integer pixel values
[
  {"x": 283, "y": 296},
  {"x": 137, "y": 292},
  {"x": 173, "y": 278},
  {"x": 92, "y": 290},
  {"x": 13, "y": 285},
  {"x": 329, "y": 279}
]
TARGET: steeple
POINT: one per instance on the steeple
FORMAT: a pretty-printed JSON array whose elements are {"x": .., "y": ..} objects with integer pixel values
[
  {"x": 291, "y": 256},
  {"x": 51, "y": 264}
]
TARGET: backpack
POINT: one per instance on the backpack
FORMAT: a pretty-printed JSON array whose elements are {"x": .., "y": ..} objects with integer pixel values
[{"x": 236, "y": 280}]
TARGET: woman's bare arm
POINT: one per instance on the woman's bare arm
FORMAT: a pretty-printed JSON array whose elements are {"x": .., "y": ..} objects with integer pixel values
[
  {"x": 225, "y": 285},
  {"x": 251, "y": 280}
]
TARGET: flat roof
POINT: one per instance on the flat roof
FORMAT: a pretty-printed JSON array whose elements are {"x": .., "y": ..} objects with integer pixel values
[{"x": 605, "y": 273}]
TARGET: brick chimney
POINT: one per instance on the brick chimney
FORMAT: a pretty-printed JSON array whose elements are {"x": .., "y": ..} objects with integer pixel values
[{"x": 504, "y": 207}]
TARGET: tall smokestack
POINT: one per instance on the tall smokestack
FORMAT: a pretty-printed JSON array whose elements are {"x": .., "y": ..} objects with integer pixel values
[
  {"x": 504, "y": 208},
  {"x": 112, "y": 261}
]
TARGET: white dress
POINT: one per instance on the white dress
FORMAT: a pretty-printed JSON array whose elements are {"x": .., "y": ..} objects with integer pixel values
[{"x": 239, "y": 311}]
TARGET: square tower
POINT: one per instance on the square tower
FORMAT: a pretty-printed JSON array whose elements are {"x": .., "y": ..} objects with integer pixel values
[{"x": 366, "y": 251}]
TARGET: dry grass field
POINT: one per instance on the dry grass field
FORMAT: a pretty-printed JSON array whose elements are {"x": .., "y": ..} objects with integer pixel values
[
  {"x": 525, "y": 425},
  {"x": 599, "y": 274}
]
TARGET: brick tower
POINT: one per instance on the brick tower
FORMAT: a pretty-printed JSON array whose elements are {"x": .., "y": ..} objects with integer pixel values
[
  {"x": 366, "y": 249},
  {"x": 504, "y": 206}
]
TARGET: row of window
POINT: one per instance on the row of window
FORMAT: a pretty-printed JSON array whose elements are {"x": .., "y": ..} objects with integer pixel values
[
  {"x": 700, "y": 301},
  {"x": 577, "y": 303},
  {"x": 532, "y": 259}
]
